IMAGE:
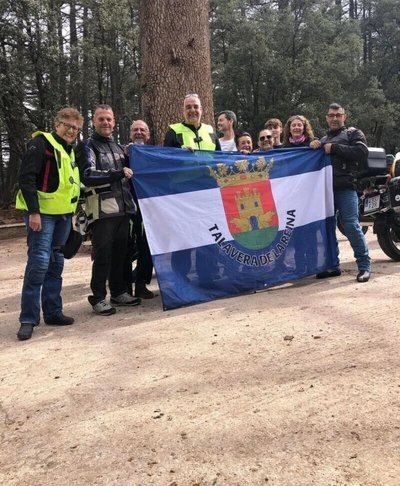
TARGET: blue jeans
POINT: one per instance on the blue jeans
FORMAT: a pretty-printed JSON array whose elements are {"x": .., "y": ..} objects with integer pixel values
[
  {"x": 42, "y": 280},
  {"x": 346, "y": 202}
]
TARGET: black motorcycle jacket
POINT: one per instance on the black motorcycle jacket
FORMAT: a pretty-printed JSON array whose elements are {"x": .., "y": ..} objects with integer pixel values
[
  {"x": 349, "y": 154},
  {"x": 107, "y": 192}
]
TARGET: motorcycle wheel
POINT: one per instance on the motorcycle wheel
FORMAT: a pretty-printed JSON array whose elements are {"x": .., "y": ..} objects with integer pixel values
[
  {"x": 340, "y": 228},
  {"x": 389, "y": 242}
]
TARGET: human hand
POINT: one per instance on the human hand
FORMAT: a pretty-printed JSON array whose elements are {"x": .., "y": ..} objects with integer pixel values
[
  {"x": 128, "y": 173},
  {"x": 328, "y": 148},
  {"x": 186, "y": 147},
  {"x": 35, "y": 222},
  {"x": 315, "y": 144},
  {"x": 126, "y": 148}
]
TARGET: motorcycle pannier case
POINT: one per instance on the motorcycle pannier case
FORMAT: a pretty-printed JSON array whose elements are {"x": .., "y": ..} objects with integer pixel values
[{"x": 376, "y": 161}]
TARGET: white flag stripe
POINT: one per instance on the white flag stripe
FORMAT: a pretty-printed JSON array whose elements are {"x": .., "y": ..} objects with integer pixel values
[
  {"x": 182, "y": 221},
  {"x": 310, "y": 194}
]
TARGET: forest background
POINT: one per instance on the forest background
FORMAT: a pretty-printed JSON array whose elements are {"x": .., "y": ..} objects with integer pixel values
[{"x": 271, "y": 58}]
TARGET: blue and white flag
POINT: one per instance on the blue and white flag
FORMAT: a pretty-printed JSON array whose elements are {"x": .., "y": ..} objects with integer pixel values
[{"x": 223, "y": 223}]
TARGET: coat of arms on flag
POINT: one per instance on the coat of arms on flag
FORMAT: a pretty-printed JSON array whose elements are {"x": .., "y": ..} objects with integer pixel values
[{"x": 248, "y": 201}]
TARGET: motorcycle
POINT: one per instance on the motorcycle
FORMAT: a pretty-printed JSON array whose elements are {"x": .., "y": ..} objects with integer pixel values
[{"x": 379, "y": 204}]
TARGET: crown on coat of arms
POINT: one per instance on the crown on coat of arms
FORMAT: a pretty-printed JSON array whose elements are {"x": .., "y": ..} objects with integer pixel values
[{"x": 241, "y": 172}]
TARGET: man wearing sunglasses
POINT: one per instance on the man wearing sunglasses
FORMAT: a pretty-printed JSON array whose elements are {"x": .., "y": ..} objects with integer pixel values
[
  {"x": 48, "y": 195},
  {"x": 265, "y": 140},
  {"x": 348, "y": 150}
]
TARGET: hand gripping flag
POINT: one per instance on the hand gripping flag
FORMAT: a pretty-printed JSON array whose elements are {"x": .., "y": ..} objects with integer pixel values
[{"x": 222, "y": 223}]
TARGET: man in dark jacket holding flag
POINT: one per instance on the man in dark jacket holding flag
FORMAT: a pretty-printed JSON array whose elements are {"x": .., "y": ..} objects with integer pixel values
[{"x": 349, "y": 153}]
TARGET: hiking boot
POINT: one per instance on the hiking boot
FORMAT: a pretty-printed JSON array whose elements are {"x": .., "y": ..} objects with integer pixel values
[
  {"x": 25, "y": 332},
  {"x": 143, "y": 292},
  {"x": 59, "y": 320},
  {"x": 335, "y": 272},
  {"x": 363, "y": 276},
  {"x": 125, "y": 299},
  {"x": 103, "y": 308}
]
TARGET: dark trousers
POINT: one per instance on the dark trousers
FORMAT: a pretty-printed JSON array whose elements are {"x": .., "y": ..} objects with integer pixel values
[
  {"x": 138, "y": 248},
  {"x": 109, "y": 247},
  {"x": 144, "y": 269}
]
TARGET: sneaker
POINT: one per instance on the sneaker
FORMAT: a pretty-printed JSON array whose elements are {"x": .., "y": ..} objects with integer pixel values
[
  {"x": 125, "y": 299},
  {"x": 143, "y": 292},
  {"x": 25, "y": 332},
  {"x": 59, "y": 320},
  {"x": 363, "y": 276},
  {"x": 335, "y": 272},
  {"x": 103, "y": 308}
]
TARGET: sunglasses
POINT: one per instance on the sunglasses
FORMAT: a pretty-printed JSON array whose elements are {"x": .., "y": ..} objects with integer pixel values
[{"x": 265, "y": 137}]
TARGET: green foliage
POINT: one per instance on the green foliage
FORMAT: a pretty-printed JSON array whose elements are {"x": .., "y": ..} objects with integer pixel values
[
  {"x": 276, "y": 59},
  {"x": 270, "y": 58}
]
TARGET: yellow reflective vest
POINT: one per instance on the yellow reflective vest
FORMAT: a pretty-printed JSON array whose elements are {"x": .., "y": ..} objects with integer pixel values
[
  {"x": 65, "y": 199},
  {"x": 205, "y": 133}
]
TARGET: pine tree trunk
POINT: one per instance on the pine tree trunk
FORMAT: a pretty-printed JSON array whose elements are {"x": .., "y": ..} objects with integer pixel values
[
  {"x": 62, "y": 65},
  {"x": 175, "y": 49},
  {"x": 74, "y": 87},
  {"x": 85, "y": 75}
]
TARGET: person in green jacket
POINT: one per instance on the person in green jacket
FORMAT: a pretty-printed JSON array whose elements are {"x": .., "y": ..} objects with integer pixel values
[{"x": 49, "y": 188}]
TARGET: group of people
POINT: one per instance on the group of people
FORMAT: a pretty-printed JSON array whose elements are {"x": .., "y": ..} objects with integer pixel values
[
  {"x": 297, "y": 132},
  {"x": 52, "y": 173}
]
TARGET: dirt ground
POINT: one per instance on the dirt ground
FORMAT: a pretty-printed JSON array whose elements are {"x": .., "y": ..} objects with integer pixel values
[{"x": 297, "y": 385}]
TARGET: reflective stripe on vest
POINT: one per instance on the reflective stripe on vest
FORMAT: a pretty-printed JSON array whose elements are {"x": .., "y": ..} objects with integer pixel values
[
  {"x": 205, "y": 132},
  {"x": 65, "y": 199}
]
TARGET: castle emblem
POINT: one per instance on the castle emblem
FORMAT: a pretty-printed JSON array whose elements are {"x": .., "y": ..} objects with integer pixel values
[{"x": 248, "y": 201}]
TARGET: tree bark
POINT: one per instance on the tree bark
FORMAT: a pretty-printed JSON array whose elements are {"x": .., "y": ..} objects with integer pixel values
[
  {"x": 62, "y": 69},
  {"x": 175, "y": 49},
  {"x": 85, "y": 75},
  {"x": 74, "y": 57}
]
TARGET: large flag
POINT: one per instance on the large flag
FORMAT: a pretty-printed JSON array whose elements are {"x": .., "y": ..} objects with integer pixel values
[{"x": 223, "y": 223}]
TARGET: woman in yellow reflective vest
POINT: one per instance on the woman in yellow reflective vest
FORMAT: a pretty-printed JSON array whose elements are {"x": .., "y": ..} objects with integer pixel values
[{"x": 48, "y": 194}]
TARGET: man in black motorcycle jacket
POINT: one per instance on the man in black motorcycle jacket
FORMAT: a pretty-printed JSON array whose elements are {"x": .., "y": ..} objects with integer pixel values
[
  {"x": 349, "y": 153},
  {"x": 109, "y": 205}
]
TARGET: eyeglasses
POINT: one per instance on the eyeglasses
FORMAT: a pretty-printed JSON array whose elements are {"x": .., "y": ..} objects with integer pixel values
[
  {"x": 331, "y": 116},
  {"x": 71, "y": 127},
  {"x": 265, "y": 137}
]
